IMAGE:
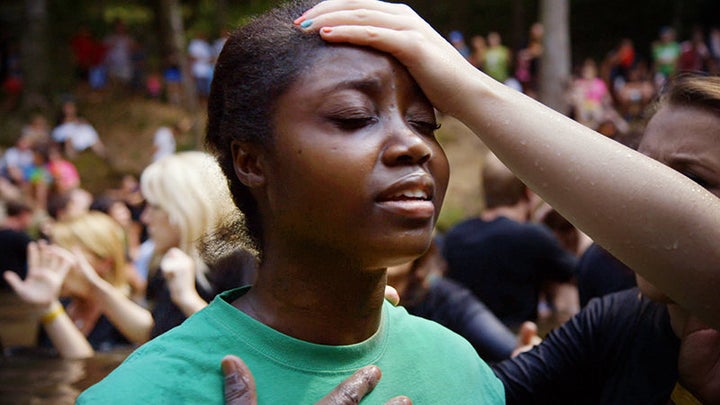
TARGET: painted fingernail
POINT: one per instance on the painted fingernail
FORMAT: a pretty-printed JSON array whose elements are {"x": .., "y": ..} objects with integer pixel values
[
  {"x": 306, "y": 23},
  {"x": 326, "y": 30},
  {"x": 299, "y": 20}
]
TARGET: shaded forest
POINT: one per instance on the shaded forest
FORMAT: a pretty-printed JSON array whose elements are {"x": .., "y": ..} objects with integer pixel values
[{"x": 40, "y": 30}]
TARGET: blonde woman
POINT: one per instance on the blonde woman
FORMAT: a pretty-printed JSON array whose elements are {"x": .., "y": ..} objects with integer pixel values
[
  {"x": 86, "y": 266},
  {"x": 187, "y": 199}
]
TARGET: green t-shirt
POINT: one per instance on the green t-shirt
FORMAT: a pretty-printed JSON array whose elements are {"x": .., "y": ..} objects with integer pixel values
[
  {"x": 418, "y": 358},
  {"x": 665, "y": 57},
  {"x": 497, "y": 63}
]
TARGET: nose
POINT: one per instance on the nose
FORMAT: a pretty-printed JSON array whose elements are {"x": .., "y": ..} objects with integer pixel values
[{"x": 406, "y": 147}]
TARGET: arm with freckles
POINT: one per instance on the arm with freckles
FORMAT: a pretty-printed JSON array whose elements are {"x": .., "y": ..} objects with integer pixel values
[{"x": 655, "y": 220}]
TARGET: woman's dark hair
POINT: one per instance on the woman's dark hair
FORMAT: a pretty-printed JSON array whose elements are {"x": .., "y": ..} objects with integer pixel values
[
  {"x": 104, "y": 203},
  {"x": 257, "y": 64}
]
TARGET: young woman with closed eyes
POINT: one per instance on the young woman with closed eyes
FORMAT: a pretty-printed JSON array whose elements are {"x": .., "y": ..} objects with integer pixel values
[{"x": 329, "y": 152}]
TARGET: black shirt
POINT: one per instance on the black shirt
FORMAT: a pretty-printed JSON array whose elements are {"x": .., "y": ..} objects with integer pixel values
[
  {"x": 620, "y": 349},
  {"x": 504, "y": 263},
  {"x": 13, "y": 254}
]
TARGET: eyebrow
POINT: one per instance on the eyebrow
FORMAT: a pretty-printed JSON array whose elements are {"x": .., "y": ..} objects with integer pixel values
[{"x": 366, "y": 85}]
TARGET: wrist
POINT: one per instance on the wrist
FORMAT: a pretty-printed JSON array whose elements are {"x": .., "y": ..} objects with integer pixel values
[
  {"x": 53, "y": 311},
  {"x": 189, "y": 302}
]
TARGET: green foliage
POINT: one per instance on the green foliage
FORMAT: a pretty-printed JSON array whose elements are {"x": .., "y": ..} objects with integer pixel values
[
  {"x": 131, "y": 14},
  {"x": 449, "y": 216}
]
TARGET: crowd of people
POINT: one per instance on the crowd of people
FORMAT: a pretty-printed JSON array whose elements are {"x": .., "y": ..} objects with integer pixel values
[
  {"x": 607, "y": 94},
  {"x": 323, "y": 185},
  {"x": 114, "y": 58}
]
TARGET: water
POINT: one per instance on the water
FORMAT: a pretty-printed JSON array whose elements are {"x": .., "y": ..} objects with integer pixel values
[{"x": 30, "y": 376}]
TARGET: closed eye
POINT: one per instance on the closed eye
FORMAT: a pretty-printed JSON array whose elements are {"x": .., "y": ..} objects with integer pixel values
[
  {"x": 353, "y": 124},
  {"x": 425, "y": 127}
]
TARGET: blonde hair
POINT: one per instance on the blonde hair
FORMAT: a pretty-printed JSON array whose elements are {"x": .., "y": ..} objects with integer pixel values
[
  {"x": 693, "y": 90},
  {"x": 99, "y": 234},
  {"x": 192, "y": 190}
]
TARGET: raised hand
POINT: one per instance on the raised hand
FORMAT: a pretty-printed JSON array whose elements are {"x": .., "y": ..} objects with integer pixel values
[
  {"x": 179, "y": 271},
  {"x": 527, "y": 338},
  {"x": 48, "y": 266},
  {"x": 82, "y": 276}
]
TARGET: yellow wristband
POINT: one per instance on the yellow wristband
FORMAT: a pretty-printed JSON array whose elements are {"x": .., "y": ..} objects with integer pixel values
[
  {"x": 50, "y": 315},
  {"x": 681, "y": 396}
]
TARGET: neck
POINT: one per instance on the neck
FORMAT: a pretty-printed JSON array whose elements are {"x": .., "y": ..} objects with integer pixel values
[
  {"x": 320, "y": 300},
  {"x": 516, "y": 212}
]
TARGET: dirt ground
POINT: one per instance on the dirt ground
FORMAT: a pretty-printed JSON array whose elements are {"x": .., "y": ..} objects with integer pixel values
[{"x": 466, "y": 154}]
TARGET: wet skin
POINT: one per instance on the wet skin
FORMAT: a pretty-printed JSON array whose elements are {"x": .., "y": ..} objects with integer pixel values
[
  {"x": 686, "y": 139},
  {"x": 352, "y": 184}
]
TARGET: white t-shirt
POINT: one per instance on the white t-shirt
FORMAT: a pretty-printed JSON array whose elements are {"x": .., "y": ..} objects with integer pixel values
[
  {"x": 81, "y": 135},
  {"x": 20, "y": 158},
  {"x": 164, "y": 142},
  {"x": 202, "y": 54}
]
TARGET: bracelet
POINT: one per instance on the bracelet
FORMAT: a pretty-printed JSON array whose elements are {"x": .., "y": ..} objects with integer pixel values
[
  {"x": 50, "y": 316},
  {"x": 681, "y": 396}
]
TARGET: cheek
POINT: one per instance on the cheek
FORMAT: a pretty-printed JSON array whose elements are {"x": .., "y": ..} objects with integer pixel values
[
  {"x": 335, "y": 174},
  {"x": 440, "y": 169},
  {"x": 164, "y": 233}
]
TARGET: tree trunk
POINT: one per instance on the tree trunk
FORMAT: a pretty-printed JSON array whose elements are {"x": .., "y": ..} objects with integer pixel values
[
  {"x": 34, "y": 56},
  {"x": 221, "y": 13},
  {"x": 555, "y": 61},
  {"x": 172, "y": 14},
  {"x": 518, "y": 24}
]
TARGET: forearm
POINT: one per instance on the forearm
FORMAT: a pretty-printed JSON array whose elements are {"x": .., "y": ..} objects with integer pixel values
[
  {"x": 189, "y": 302},
  {"x": 132, "y": 320},
  {"x": 651, "y": 217},
  {"x": 64, "y": 335}
]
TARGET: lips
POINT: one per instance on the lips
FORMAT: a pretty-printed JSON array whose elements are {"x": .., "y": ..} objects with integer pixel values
[{"x": 411, "y": 196}]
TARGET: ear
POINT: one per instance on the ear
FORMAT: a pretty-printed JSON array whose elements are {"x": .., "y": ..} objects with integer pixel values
[{"x": 247, "y": 159}]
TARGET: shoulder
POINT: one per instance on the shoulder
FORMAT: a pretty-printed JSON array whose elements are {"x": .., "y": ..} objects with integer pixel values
[
  {"x": 465, "y": 225},
  {"x": 464, "y": 232},
  {"x": 535, "y": 230},
  {"x": 427, "y": 336},
  {"x": 438, "y": 354}
]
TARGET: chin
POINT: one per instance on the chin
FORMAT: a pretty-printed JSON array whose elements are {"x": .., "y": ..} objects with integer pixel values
[{"x": 402, "y": 254}]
